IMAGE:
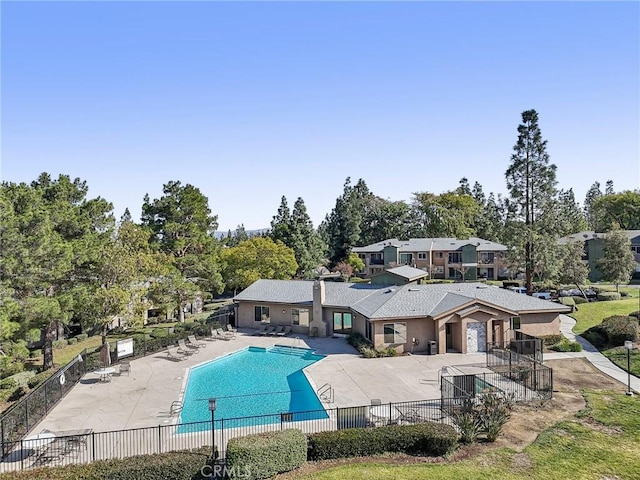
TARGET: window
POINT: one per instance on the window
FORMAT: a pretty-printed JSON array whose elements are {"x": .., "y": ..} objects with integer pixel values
[
  {"x": 635, "y": 248},
  {"x": 455, "y": 257},
  {"x": 438, "y": 269},
  {"x": 422, "y": 255},
  {"x": 368, "y": 330},
  {"x": 395, "y": 333},
  {"x": 375, "y": 270},
  {"x": 341, "y": 322},
  {"x": 486, "y": 257},
  {"x": 261, "y": 314},
  {"x": 377, "y": 259},
  {"x": 453, "y": 273},
  {"x": 406, "y": 258},
  {"x": 300, "y": 316},
  {"x": 515, "y": 323},
  {"x": 439, "y": 254}
]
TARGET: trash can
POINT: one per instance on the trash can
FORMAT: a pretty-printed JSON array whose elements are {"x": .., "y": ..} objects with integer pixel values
[{"x": 432, "y": 347}]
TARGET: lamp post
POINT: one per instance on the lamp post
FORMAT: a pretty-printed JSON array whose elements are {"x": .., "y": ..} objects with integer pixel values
[
  {"x": 628, "y": 345},
  {"x": 212, "y": 408}
]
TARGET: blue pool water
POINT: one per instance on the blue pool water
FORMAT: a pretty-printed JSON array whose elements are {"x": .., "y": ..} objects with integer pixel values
[{"x": 250, "y": 383}]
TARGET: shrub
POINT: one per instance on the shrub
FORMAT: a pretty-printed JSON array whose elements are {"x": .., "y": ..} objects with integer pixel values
[
  {"x": 22, "y": 379},
  {"x": 549, "y": 340},
  {"x": 608, "y": 296},
  {"x": 595, "y": 338},
  {"x": 8, "y": 367},
  {"x": 469, "y": 426},
  {"x": 619, "y": 328},
  {"x": 266, "y": 454},
  {"x": 579, "y": 300},
  {"x": 35, "y": 353},
  {"x": 8, "y": 383},
  {"x": 424, "y": 438},
  {"x": 159, "y": 333},
  {"x": 39, "y": 378},
  {"x": 568, "y": 301},
  {"x": 180, "y": 465},
  {"x": 72, "y": 341},
  {"x": 565, "y": 345},
  {"x": 369, "y": 352},
  {"x": 487, "y": 415},
  {"x": 58, "y": 344},
  {"x": 494, "y": 410},
  {"x": 82, "y": 337},
  {"x": 624, "y": 294},
  {"x": 635, "y": 314}
]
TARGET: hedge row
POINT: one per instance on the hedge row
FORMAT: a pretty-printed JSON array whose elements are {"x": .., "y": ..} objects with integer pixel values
[
  {"x": 264, "y": 455},
  {"x": 181, "y": 465},
  {"x": 424, "y": 438},
  {"x": 608, "y": 296}
]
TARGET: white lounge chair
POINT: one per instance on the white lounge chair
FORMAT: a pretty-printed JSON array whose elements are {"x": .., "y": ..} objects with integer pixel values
[
  {"x": 261, "y": 331},
  {"x": 222, "y": 335},
  {"x": 184, "y": 348},
  {"x": 175, "y": 355},
  {"x": 286, "y": 331},
  {"x": 194, "y": 341},
  {"x": 279, "y": 329},
  {"x": 268, "y": 331}
]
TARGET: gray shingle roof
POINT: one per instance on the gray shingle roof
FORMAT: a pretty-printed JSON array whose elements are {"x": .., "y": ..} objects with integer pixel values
[
  {"x": 277, "y": 291},
  {"x": 432, "y": 244},
  {"x": 405, "y": 271},
  {"x": 378, "y": 302},
  {"x": 589, "y": 235}
]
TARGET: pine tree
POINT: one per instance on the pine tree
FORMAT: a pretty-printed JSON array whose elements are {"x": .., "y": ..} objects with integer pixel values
[
  {"x": 281, "y": 223},
  {"x": 592, "y": 214},
  {"x": 305, "y": 242},
  {"x": 531, "y": 181}
]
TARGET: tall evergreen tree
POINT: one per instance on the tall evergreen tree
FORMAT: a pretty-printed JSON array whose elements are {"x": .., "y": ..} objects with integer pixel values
[
  {"x": 281, "y": 223},
  {"x": 608, "y": 190},
  {"x": 305, "y": 241},
  {"x": 382, "y": 219},
  {"x": 343, "y": 225},
  {"x": 592, "y": 215},
  {"x": 183, "y": 227},
  {"x": 531, "y": 181}
]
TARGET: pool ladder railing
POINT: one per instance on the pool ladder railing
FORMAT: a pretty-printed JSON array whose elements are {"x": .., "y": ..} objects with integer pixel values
[
  {"x": 325, "y": 393},
  {"x": 176, "y": 407}
]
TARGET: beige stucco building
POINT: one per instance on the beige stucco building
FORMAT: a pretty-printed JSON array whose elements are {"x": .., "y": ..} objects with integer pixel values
[
  {"x": 441, "y": 258},
  {"x": 460, "y": 317}
]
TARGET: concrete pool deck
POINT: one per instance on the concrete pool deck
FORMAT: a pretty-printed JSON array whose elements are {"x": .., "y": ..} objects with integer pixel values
[{"x": 144, "y": 397}]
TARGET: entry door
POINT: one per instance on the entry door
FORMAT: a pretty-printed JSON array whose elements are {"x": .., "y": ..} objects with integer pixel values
[
  {"x": 476, "y": 337},
  {"x": 449, "y": 333}
]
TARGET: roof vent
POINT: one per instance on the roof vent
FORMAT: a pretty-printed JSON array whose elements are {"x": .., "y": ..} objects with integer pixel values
[
  {"x": 390, "y": 290},
  {"x": 414, "y": 289}
]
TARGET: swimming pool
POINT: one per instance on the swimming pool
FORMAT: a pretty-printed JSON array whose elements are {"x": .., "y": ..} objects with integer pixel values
[{"x": 254, "y": 382}]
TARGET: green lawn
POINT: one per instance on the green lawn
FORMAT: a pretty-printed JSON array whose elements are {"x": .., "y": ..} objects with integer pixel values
[
  {"x": 603, "y": 443},
  {"x": 618, "y": 355},
  {"x": 590, "y": 314}
]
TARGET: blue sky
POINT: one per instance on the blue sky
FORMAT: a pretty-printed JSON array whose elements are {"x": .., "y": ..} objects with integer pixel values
[{"x": 252, "y": 101}]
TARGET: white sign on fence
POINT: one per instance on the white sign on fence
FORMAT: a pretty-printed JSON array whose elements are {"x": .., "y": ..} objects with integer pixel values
[{"x": 125, "y": 347}]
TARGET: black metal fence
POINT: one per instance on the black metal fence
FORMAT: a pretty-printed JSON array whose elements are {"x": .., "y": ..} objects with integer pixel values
[
  {"x": 28, "y": 411},
  {"x": 20, "y": 418},
  {"x": 511, "y": 354},
  {"x": 83, "y": 446},
  {"x": 518, "y": 383}
]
